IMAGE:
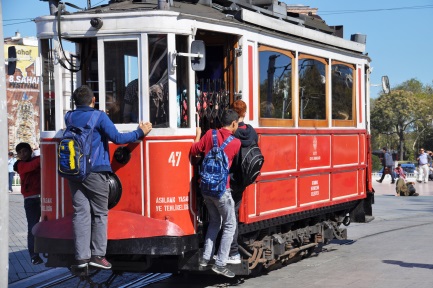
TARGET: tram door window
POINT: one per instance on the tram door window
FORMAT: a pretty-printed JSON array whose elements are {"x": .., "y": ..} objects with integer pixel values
[
  {"x": 121, "y": 81},
  {"x": 343, "y": 94},
  {"x": 48, "y": 88},
  {"x": 275, "y": 86},
  {"x": 312, "y": 88},
  {"x": 182, "y": 80},
  {"x": 158, "y": 81}
]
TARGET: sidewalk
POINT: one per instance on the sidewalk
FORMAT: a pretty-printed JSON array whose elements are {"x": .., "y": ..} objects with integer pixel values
[{"x": 20, "y": 266}]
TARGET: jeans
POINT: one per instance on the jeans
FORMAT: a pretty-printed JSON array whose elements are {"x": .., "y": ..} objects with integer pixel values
[
  {"x": 90, "y": 201},
  {"x": 234, "y": 247},
  {"x": 221, "y": 213},
  {"x": 32, "y": 206},
  {"x": 11, "y": 179}
]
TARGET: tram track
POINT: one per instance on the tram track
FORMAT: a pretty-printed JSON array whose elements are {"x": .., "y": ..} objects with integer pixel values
[{"x": 96, "y": 279}]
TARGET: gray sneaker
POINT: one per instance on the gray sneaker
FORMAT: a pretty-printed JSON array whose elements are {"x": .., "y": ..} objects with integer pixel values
[{"x": 222, "y": 270}]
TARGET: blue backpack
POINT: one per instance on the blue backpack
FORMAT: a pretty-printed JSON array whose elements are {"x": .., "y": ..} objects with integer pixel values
[
  {"x": 75, "y": 147},
  {"x": 215, "y": 169}
]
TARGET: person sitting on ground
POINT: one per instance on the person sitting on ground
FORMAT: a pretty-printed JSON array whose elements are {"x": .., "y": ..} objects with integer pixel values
[{"x": 405, "y": 189}]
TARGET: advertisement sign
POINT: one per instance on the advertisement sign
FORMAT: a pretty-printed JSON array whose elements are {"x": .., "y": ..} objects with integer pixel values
[{"x": 22, "y": 95}]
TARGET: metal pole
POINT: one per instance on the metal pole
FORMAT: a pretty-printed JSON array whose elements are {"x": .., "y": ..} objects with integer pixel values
[{"x": 4, "y": 195}]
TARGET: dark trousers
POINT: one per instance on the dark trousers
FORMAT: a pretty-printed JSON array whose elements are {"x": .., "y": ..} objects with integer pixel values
[
  {"x": 90, "y": 201},
  {"x": 391, "y": 172},
  {"x": 32, "y": 206}
]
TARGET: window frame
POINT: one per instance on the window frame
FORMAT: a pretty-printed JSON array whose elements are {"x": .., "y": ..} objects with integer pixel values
[
  {"x": 276, "y": 122},
  {"x": 352, "y": 122}
]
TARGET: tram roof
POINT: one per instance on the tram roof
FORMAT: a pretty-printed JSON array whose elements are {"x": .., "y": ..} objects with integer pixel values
[{"x": 268, "y": 14}]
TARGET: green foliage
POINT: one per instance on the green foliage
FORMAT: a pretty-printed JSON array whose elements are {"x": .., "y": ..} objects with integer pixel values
[
  {"x": 377, "y": 165},
  {"x": 402, "y": 119}
]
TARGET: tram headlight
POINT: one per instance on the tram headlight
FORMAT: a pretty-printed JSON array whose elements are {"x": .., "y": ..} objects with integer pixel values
[{"x": 96, "y": 23}]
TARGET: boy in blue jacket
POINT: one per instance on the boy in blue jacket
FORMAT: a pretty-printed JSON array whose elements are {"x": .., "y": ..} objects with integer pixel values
[{"x": 90, "y": 197}]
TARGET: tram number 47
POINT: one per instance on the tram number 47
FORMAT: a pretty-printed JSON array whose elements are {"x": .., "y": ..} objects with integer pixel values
[{"x": 174, "y": 158}]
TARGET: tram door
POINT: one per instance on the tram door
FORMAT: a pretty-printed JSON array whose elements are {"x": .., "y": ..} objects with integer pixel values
[{"x": 217, "y": 82}]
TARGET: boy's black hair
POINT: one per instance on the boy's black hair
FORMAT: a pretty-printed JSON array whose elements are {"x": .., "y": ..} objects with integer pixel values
[
  {"x": 228, "y": 117},
  {"x": 83, "y": 95},
  {"x": 23, "y": 145}
]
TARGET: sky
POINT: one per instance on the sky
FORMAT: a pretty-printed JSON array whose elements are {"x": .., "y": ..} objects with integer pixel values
[{"x": 399, "y": 33}]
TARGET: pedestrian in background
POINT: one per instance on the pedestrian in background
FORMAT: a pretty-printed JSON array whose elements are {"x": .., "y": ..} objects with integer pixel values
[
  {"x": 29, "y": 169},
  {"x": 387, "y": 163},
  {"x": 423, "y": 166},
  {"x": 11, "y": 162}
]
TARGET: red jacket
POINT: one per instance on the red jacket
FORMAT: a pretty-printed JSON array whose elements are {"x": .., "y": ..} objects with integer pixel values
[
  {"x": 205, "y": 145},
  {"x": 30, "y": 175}
]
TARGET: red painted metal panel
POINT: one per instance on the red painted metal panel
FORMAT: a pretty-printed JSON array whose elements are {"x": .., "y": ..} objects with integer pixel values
[
  {"x": 362, "y": 149},
  {"x": 170, "y": 174},
  {"x": 279, "y": 152},
  {"x": 345, "y": 149},
  {"x": 49, "y": 201},
  {"x": 314, "y": 151},
  {"x": 132, "y": 176},
  {"x": 344, "y": 184},
  {"x": 250, "y": 82},
  {"x": 313, "y": 189},
  {"x": 362, "y": 184},
  {"x": 276, "y": 195}
]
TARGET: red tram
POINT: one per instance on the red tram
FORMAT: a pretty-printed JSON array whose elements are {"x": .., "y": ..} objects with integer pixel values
[{"x": 307, "y": 92}]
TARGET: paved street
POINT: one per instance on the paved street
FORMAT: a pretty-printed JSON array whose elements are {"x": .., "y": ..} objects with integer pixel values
[{"x": 391, "y": 251}]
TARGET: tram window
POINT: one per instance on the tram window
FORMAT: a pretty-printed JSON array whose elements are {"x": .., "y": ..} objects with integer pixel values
[
  {"x": 49, "y": 123},
  {"x": 182, "y": 81},
  {"x": 275, "y": 85},
  {"x": 158, "y": 81},
  {"x": 312, "y": 89},
  {"x": 121, "y": 69},
  {"x": 342, "y": 92}
]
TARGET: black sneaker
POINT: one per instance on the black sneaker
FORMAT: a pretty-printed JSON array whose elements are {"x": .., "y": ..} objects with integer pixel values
[
  {"x": 82, "y": 263},
  {"x": 36, "y": 260},
  {"x": 223, "y": 271},
  {"x": 99, "y": 262}
]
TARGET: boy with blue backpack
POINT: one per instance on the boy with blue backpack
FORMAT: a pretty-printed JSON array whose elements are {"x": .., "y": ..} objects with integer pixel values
[
  {"x": 220, "y": 148},
  {"x": 90, "y": 188}
]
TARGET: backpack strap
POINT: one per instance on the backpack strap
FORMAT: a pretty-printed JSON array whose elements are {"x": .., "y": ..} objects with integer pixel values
[
  {"x": 215, "y": 140},
  {"x": 94, "y": 118}
]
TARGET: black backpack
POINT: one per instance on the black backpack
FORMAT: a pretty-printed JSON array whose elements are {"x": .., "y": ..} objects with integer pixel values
[{"x": 249, "y": 163}]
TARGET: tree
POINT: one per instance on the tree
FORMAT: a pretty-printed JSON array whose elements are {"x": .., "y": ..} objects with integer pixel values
[{"x": 400, "y": 112}]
